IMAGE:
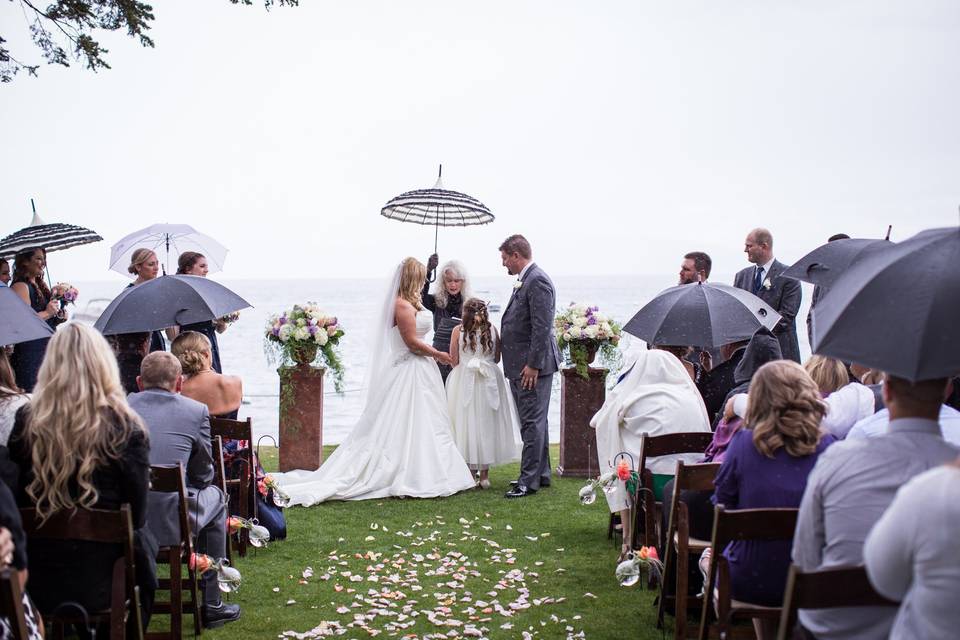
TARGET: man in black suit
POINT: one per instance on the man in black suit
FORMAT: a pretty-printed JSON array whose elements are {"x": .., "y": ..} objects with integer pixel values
[
  {"x": 765, "y": 281},
  {"x": 714, "y": 385}
]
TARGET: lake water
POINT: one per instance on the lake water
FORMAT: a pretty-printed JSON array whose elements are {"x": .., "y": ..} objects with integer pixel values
[{"x": 353, "y": 301}]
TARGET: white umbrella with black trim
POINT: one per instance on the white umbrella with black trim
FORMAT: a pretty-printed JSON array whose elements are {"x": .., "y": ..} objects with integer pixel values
[{"x": 50, "y": 237}]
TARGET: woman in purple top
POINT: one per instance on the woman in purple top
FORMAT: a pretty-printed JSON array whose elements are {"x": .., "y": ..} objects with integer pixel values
[{"x": 766, "y": 466}]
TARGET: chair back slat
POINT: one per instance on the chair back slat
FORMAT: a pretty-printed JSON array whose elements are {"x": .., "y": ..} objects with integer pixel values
[
  {"x": 90, "y": 525},
  {"x": 673, "y": 443},
  {"x": 752, "y": 524},
  {"x": 169, "y": 478},
  {"x": 11, "y": 604},
  {"x": 826, "y": 589},
  {"x": 232, "y": 429},
  {"x": 696, "y": 477}
]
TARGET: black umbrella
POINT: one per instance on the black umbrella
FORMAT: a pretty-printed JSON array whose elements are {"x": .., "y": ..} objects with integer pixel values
[
  {"x": 701, "y": 315},
  {"x": 168, "y": 301},
  {"x": 51, "y": 237},
  {"x": 897, "y": 310},
  {"x": 20, "y": 321},
  {"x": 437, "y": 207},
  {"x": 826, "y": 263}
]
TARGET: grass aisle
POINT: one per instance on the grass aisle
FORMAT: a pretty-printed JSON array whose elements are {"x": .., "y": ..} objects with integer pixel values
[{"x": 471, "y": 565}]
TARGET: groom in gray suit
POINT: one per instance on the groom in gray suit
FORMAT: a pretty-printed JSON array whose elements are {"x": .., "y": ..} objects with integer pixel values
[
  {"x": 180, "y": 432},
  {"x": 530, "y": 358}
]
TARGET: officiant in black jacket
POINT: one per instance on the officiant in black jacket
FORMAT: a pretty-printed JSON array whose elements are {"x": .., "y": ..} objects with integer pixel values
[{"x": 450, "y": 289}]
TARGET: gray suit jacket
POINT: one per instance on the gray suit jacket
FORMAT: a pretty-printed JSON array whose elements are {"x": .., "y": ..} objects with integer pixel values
[
  {"x": 526, "y": 326},
  {"x": 784, "y": 296},
  {"x": 179, "y": 432}
]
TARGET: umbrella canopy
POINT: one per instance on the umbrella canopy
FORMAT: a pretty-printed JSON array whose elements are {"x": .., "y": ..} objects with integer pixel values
[
  {"x": 437, "y": 207},
  {"x": 168, "y": 301},
  {"x": 161, "y": 239},
  {"x": 51, "y": 237},
  {"x": 897, "y": 310},
  {"x": 701, "y": 315},
  {"x": 826, "y": 263},
  {"x": 20, "y": 321}
]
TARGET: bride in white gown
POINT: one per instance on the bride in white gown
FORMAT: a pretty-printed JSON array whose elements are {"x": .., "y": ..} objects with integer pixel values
[{"x": 402, "y": 444}]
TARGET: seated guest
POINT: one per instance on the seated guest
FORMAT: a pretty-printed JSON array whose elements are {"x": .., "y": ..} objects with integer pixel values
[
  {"x": 655, "y": 398},
  {"x": 829, "y": 373},
  {"x": 130, "y": 349},
  {"x": 912, "y": 555},
  {"x": 79, "y": 445},
  {"x": 11, "y": 398},
  {"x": 13, "y": 555},
  {"x": 876, "y": 424},
  {"x": 766, "y": 466},
  {"x": 222, "y": 394},
  {"x": 716, "y": 383},
  {"x": 180, "y": 432},
  {"x": 851, "y": 486}
]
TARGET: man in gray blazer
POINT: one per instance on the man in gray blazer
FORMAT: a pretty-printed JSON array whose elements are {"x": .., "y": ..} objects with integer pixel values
[
  {"x": 530, "y": 358},
  {"x": 765, "y": 281},
  {"x": 180, "y": 432}
]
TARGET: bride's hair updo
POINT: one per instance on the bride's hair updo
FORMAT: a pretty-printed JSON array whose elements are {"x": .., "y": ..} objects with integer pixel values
[
  {"x": 413, "y": 274},
  {"x": 190, "y": 347},
  {"x": 476, "y": 324}
]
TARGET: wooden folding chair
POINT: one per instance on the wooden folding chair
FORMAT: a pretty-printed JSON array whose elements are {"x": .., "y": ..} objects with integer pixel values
[
  {"x": 679, "y": 546},
  {"x": 728, "y": 526},
  {"x": 242, "y": 490},
  {"x": 169, "y": 478},
  {"x": 648, "y": 508},
  {"x": 11, "y": 604},
  {"x": 102, "y": 526},
  {"x": 220, "y": 479},
  {"x": 827, "y": 589}
]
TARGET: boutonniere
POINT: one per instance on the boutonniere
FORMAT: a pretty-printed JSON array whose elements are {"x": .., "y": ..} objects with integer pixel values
[
  {"x": 517, "y": 285},
  {"x": 767, "y": 284}
]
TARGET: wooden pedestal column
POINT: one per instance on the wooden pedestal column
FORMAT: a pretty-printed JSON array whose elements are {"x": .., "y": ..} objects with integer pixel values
[
  {"x": 301, "y": 417},
  {"x": 579, "y": 400}
]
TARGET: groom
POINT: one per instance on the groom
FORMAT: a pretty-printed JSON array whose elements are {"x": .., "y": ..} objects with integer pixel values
[{"x": 530, "y": 358}]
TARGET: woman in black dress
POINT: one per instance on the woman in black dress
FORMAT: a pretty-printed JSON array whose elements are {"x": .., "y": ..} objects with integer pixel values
[
  {"x": 192, "y": 263},
  {"x": 77, "y": 444},
  {"x": 446, "y": 303},
  {"x": 29, "y": 285},
  {"x": 145, "y": 265}
]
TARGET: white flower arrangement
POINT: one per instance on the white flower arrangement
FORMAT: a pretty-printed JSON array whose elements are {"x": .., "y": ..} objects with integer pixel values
[
  {"x": 581, "y": 329},
  {"x": 305, "y": 329}
]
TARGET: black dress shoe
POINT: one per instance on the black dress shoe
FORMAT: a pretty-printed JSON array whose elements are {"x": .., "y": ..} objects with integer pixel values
[
  {"x": 214, "y": 617},
  {"x": 520, "y": 491}
]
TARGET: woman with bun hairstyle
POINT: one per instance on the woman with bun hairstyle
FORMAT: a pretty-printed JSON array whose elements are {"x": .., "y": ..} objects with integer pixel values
[{"x": 222, "y": 394}]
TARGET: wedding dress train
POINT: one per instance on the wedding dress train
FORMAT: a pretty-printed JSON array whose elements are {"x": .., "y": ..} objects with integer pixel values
[{"x": 402, "y": 444}]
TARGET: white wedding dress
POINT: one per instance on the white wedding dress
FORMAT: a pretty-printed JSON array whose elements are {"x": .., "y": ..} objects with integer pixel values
[{"x": 402, "y": 445}]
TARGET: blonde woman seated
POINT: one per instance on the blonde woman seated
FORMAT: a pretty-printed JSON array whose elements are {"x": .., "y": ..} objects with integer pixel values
[
  {"x": 656, "y": 397},
  {"x": 222, "y": 394}
]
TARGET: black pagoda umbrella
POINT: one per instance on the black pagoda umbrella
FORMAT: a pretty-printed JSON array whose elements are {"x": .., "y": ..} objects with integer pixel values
[
  {"x": 829, "y": 261},
  {"x": 50, "y": 237},
  {"x": 897, "y": 310},
  {"x": 20, "y": 321},
  {"x": 437, "y": 207},
  {"x": 168, "y": 301},
  {"x": 701, "y": 314}
]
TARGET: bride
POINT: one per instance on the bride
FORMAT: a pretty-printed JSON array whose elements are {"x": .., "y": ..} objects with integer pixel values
[{"x": 402, "y": 445}]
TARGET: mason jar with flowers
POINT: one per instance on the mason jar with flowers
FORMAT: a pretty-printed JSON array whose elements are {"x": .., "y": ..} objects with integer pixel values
[
  {"x": 305, "y": 335},
  {"x": 583, "y": 331}
]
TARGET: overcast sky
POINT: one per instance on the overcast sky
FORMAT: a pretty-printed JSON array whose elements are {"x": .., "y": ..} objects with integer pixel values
[{"x": 615, "y": 135}]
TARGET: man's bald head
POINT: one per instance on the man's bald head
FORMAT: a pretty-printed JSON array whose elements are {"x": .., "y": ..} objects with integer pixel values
[
  {"x": 759, "y": 246},
  {"x": 160, "y": 370}
]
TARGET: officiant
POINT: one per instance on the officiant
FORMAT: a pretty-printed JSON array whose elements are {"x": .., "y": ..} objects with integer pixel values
[{"x": 450, "y": 288}]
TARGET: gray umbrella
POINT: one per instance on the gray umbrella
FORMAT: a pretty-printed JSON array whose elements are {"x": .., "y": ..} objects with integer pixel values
[
  {"x": 826, "y": 263},
  {"x": 168, "y": 301},
  {"x": 701, "y": 315},
  {"x": 20, "y": 321},
  {"x": 897, "y": 310}
]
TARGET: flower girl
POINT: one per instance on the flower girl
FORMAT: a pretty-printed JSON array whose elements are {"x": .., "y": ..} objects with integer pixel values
[{"x": 486, "y": 427}]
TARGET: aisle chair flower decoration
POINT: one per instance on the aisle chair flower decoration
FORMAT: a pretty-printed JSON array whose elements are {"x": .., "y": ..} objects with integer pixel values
[
  {"x": 304, "y": 334},
  {"x": 257, "y": 533},
  {"x": 582, "y": 331},
  {"x": 228, "y": 578},
  {"x": 266, "y": 485}
]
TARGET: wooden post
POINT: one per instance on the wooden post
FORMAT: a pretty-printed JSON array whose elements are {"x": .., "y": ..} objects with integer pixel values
[
  {"x": 580, "y": 399},
  {"x": 301, "y": 417}
]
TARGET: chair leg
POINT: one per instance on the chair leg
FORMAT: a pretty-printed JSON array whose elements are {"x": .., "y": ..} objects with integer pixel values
[
  {"x": 680, "y": 606},
  {"x": 195, "y": 596},
  {"x": 662, "y": 600},
  {"x": 176, "y": 595}
]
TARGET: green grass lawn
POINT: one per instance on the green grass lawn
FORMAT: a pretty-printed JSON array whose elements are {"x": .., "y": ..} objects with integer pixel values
[{"x": 471, "y": 565}]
